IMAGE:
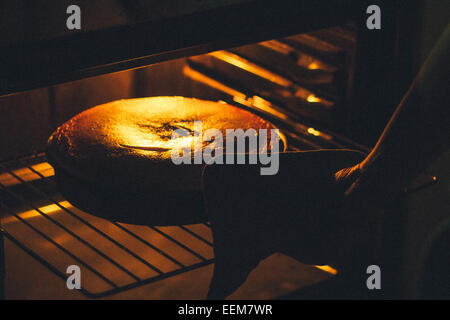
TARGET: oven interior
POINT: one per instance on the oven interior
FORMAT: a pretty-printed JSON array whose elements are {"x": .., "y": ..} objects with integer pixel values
[
  {"x": 291, "y": 81},
  {"x": 312, "y": 85}
]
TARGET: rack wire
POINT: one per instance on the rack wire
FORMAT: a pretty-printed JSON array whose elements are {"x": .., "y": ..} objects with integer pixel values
[{"x": 113, "y": 256}]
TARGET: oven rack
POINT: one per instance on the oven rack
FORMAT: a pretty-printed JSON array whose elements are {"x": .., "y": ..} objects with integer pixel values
[{"x": 113, "y": 257}]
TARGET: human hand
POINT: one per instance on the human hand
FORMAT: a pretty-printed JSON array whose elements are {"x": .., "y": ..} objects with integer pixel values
[{"x": 296, "y": 212}]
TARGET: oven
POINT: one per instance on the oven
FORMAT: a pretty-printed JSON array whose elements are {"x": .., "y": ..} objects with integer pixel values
[{"x": 312, "y": 68}]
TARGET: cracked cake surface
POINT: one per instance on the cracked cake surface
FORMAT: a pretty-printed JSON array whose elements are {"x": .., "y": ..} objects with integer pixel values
[{"x": 127, "y": 144}]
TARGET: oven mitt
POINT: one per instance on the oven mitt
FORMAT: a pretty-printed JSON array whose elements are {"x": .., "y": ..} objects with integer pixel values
[{"x": 295, "y": 212}]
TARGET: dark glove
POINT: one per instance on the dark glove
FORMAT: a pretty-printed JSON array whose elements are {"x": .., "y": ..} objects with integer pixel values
[{"x": 296, "y": 212}]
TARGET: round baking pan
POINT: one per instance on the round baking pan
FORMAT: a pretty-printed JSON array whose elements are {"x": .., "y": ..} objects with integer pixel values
[
  {"x": 143, "y": 208},
  {"x": 99, "y": 174}
]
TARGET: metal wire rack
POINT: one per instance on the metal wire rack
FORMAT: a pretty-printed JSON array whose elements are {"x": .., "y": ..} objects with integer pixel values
[{"x": 113, "y": 257}]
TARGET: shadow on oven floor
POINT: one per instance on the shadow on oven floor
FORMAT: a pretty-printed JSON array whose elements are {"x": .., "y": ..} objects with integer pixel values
[{"x": 44, "y": 234}]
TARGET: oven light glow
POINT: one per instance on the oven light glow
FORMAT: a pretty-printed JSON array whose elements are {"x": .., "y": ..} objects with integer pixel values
[
  {"x": 51, "y": 208},
  {"x": 29, "y": 214},
  {"x": 242, "y": 101},
  {"x": 313, "y": 66},
  {"x": 9, "y": 180},
  {"x": 244, "y": 64},
  {"x": 312, "y": 98},
  {"x": 314, "y": 132},
  {"x": 327, "y": 269},
  {"x": 266, "y": 106},
  {"x": 138, "y": 141},
  {"x": 197, "y": 76}
]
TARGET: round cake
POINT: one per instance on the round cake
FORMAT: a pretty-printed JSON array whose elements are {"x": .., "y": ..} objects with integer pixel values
[{"x": 115, "y": 160}]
